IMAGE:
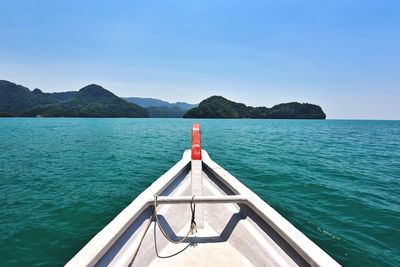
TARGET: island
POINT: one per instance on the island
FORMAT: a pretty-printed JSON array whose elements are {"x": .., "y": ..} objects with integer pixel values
[
  {"x": 222, "y": 108},
  {"x": 90, "y": 101}
]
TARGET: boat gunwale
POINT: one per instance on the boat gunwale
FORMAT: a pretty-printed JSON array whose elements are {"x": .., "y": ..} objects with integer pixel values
[
  {"x": 306, "y": 248},
  {"x": 95, "y": 249}
]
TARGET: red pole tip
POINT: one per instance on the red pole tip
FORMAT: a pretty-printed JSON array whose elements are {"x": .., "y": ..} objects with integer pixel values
[{"x": 196, "y": 144}]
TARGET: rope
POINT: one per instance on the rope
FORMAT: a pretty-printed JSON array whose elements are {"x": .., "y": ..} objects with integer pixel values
[
  {"x": 193, "y": 225},
  {"x": 141, "y": 239},
  {"x": 192, "y": 229}
]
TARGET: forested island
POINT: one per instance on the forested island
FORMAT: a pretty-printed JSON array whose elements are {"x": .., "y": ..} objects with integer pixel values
[
  {"x": 220, "y": 107},
  {"x": 90, "y": 101}
]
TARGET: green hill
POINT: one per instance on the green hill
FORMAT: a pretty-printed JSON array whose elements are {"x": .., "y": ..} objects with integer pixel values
[
  {"x": 15, "y": 99},
  {"x": 91, "y": 101},
  {"x": 220, "y": 107},
  {"x": 217, "y": 107}
]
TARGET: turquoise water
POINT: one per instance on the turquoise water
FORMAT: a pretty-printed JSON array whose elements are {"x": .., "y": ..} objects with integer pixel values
[{"x": 62, "y": 180}]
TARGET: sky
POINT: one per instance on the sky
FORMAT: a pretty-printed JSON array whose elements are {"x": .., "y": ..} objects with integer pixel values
[{"x": 341, "y": 55}]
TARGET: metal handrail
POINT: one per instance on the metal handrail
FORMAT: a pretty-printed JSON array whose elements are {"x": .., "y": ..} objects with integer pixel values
[{"x": 200, "y": 199}]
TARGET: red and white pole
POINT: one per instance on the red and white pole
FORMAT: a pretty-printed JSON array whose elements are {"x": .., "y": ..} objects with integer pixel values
[
  {"x": 197, "y": 173},
  {"x": 196, "y": 142}
]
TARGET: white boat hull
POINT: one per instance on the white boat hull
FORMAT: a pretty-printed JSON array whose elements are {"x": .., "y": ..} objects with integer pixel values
[{"x": 235, "y": 227}]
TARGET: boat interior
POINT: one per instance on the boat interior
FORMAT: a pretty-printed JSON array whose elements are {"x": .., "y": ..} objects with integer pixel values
[{"x": 229, "y": 233}]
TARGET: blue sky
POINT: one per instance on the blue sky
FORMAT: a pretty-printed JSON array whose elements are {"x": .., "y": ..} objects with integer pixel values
[{"x": 342, "y": 55}]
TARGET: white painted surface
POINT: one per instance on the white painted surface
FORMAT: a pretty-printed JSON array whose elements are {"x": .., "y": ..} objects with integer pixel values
[{"x": 197, "y": 189}]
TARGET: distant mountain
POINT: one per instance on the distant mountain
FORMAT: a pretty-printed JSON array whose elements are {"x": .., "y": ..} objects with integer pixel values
[
  {"x": 161, "y": 109},
  {"x": 183, "y": 105},
  {"x": 153, "y": 102},
  {"x": 165, "y": 112},
  {"x": 147, "y": 102},
  {"x": 91, "y": 101},
  {"x": 220, "y": 107}
]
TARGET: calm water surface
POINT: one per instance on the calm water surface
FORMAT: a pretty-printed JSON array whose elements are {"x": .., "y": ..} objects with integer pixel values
[{"x": 62, "y": 180}]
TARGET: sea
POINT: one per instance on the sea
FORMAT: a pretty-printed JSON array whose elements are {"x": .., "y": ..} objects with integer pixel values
[{"x": 63, "y": 179}]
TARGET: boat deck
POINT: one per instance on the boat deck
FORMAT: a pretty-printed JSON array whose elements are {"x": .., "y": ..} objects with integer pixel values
[
  {"x": 201, "y": 254},
  {"x": 230, "y": 235},
  {"x": 240, "y": 230}
]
